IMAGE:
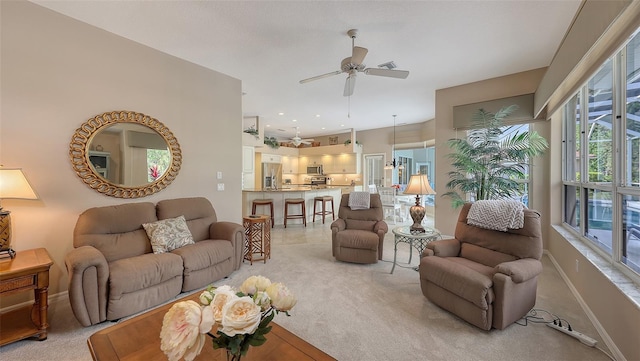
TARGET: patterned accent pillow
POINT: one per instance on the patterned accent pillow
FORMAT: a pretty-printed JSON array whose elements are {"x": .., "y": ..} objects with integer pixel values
[{"x": 168, "y": 234}]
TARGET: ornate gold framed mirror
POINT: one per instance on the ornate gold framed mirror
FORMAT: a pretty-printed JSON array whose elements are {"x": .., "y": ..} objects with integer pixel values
[{"x": 125, "y": 154}]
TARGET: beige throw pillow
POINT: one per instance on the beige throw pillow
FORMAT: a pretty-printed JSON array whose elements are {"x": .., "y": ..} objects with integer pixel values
[{"x": 168, "y": 234}]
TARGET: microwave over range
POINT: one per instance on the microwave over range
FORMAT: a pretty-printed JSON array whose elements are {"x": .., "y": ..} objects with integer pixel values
[{"x": 315, "y": 169}]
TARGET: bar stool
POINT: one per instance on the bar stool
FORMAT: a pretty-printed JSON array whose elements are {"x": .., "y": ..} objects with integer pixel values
[
  {"x": 324, "y": 211},
  {"x": 263, "y": 202},
  {"x": 294, "y": 201}
]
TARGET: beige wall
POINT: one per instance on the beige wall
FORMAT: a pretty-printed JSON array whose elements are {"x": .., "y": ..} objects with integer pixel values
[
  {"x": 446, "y": 99},
  {"x": 56, "y": 73}
]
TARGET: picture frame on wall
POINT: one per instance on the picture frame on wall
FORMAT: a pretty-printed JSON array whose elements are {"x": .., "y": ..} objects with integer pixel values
[{"x": 333, "y": 140}]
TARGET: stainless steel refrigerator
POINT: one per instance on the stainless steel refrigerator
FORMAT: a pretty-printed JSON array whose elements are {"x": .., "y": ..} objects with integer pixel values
[{"x": 271, "y": 175}]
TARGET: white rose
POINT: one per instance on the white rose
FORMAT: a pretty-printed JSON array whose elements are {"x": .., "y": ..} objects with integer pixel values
[
  {"x": 240, "y": 316},
  {"x": 221, "y": 296},
  {"x": 206, "y": 297},
  {"x": 262, "y": 299},
  {"x": 254, "y": 284},
  {"x": 281, "y": 298},
  {"x": 183, "y": 329}
]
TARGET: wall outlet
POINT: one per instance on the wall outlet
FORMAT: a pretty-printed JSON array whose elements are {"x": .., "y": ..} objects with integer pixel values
[
  {"x": 575, "y": 334},
  {"x": 220, "y": 186}
]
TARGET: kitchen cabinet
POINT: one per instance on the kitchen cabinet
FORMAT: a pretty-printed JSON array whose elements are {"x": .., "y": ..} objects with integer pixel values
[
  {"x": 271, "y": 158},
  {"x": 306, "y": 161},
  {"x": 345, "y": 164},
  {"x": 290, "y": 165},
  {"x": 248, "y": 159}
]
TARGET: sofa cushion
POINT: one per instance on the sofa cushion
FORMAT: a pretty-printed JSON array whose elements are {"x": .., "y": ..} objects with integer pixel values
[
  {"x": 116, "y": 231},
  {"x": 198, "y": 212},
  {"x": 168, "y": 234},
  {"x": 473, "y": 282},
  {"x": 203, "y": 255},
  {"x": 136, "y": 273}
]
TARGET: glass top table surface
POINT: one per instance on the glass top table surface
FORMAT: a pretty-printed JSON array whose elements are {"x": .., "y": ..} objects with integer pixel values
[{"x": 407, "y": 232}]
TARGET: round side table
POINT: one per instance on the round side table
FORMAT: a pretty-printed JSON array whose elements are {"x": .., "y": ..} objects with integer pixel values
[
  {"x": 257, "y": 238},
  {"x": 414, "y": 239}
]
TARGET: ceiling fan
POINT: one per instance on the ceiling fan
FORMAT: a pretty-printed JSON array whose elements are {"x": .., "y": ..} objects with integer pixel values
[
  {"x": 297, "y": 140},
  {"x": 353, "y": 65}
]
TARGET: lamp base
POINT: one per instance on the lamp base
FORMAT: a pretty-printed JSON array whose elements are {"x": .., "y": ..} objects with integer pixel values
[
  {"x": 7, "y": 251},
  {"x": 417, "y": 214}
]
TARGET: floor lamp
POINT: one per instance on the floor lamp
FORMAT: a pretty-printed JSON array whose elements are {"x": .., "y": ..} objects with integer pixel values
[
  {"x": 13, "y": 185},
  {"x": 418, "y": 185}
]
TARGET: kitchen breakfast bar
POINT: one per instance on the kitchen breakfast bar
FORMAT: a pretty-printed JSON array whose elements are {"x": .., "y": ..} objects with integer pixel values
[{"x": 279, "y": 196}]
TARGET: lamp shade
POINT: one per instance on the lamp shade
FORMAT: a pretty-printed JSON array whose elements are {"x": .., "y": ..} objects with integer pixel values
[
  {"x": 13, "y": 184},
  {"x": 419, "y": 184}
]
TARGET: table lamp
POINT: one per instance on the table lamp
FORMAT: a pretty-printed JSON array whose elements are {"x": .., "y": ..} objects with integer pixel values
[
  {"x": 418, "y": 185},
  {"x": 14, "y": 185}
]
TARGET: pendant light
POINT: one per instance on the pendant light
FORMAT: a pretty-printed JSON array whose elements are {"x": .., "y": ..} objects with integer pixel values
[{"x": 393, "y": 164}]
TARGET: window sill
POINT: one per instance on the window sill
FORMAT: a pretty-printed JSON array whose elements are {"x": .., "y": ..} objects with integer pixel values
[{"x": 624, "y": 283}]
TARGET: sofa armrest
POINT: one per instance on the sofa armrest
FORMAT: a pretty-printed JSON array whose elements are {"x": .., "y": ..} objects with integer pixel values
[
  {"x": 232, "y": 232},
  {"x": 381, "y": 226},
  {"x": 338, "y": 225},
  {"x": 520, "y": 270},
  {"x": 88, "y": 278},
  {"x": 449, "y": 247}
]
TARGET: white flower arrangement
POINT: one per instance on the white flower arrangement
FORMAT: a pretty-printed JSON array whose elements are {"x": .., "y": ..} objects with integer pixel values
[{"x": 242, "y": 317}]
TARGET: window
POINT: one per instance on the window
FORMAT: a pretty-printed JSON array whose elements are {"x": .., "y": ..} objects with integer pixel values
[{"x": 601, "y": 159}]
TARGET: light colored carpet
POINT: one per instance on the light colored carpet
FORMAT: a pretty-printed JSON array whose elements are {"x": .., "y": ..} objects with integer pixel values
[{"x": 361, "y": 312}]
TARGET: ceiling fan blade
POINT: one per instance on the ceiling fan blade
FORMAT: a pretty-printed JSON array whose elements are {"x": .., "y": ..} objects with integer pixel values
[
  {"x": 358, "y": 55},
  {"x": 401, "y": 74},
  {"x": 349, "y": 85},
  {"x": 320, "y": 76}
]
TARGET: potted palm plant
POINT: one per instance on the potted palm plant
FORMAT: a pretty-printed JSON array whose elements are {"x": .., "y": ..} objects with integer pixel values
[{"x": 488, "y": 164}]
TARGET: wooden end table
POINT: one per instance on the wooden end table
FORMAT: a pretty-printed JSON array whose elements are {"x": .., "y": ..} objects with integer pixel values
[
  {"x": 257, "y": 234},
  {"x": 28, "y": 270}
]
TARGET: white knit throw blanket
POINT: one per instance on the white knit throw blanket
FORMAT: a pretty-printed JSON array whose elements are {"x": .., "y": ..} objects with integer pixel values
[
  {"x": 359, "y": 200},
  {"x": 498, "y": 215}
]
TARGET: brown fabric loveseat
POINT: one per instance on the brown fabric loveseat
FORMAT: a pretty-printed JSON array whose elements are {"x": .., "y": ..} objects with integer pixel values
[
  {"x": 358, "y": 235},
  {"x": 114, "y": 273},
  {"x": 488, "y": 278}
]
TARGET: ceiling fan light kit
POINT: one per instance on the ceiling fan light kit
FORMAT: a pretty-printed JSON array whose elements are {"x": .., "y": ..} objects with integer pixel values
[{"x": 353, "y": 65}]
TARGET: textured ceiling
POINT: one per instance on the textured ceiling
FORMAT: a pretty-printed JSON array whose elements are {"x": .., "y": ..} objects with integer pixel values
[{"x": 271, "y": 45}]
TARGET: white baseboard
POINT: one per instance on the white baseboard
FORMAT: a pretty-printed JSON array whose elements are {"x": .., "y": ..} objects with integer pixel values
[{"x": 594, "y": 320}]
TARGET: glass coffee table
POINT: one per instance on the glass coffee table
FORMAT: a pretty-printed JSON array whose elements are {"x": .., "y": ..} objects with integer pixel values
[{"x": 419, "y": 240}]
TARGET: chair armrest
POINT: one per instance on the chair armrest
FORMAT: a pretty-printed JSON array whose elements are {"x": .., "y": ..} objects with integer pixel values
[
  {"x": 88, "y": 277},
  {"x": 449, "y": 247},
  {"x": 520, "y": 270},
  {"x": 381, "y": 226},
  {"x": 338, "y": 225},
  {"x": 232, "y": 232}
]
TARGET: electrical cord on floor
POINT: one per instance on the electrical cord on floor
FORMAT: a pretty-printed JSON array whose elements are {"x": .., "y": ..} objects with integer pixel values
[{"x": 534, "y": 317}]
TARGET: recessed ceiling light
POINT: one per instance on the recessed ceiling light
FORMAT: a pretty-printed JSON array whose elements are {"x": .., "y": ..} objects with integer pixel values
[
  {"x": 294, "y": 120},
  {"x": 322, "y": 128},
  {"x": 281, "y": 113},
  {"x": 342, "y": 125},
  {"x": 317, "y": 115},
  {"x": 268, "y": 125}
]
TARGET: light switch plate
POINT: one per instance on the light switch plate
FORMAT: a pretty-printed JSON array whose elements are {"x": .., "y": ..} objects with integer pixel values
[
  {"x": 220, "y": 186},
  {"x": 219, "y": 175}
]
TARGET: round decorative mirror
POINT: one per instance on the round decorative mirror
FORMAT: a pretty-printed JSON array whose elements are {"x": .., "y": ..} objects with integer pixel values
[{"x": 125, "y": 154}]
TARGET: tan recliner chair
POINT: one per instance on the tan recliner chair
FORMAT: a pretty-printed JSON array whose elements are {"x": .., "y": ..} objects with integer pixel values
[
  {"x": 357, "y": 235},
  {"x": 488, "y": 278}
]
